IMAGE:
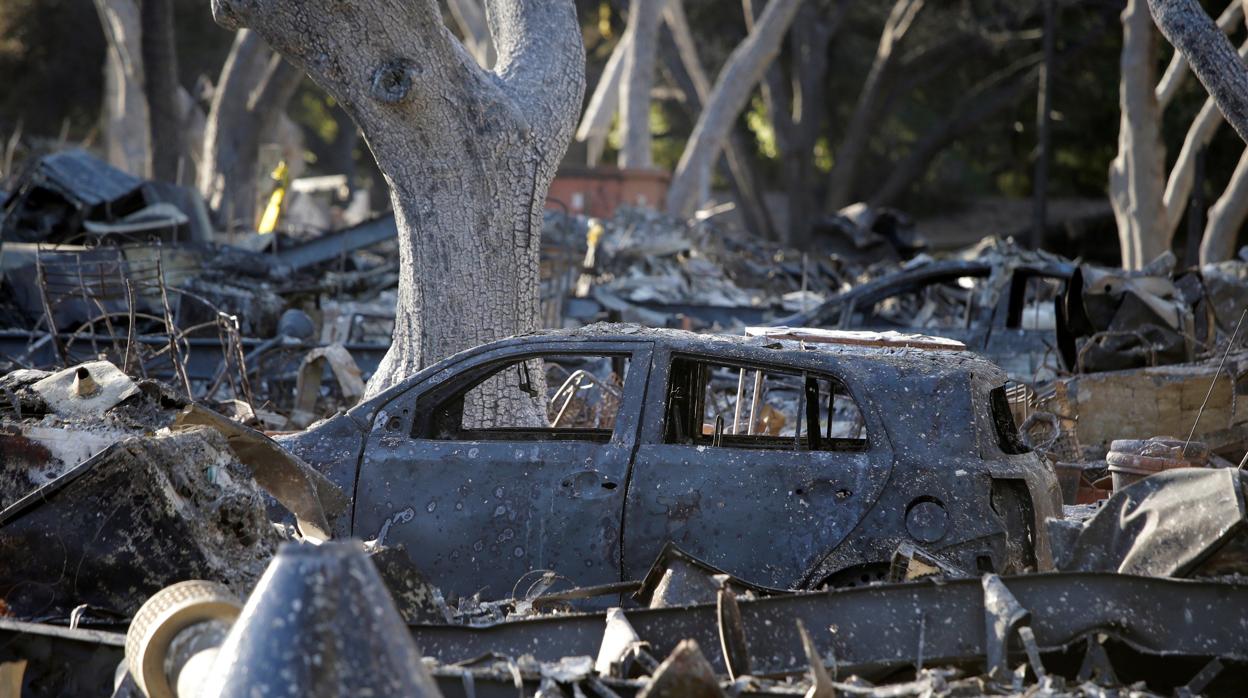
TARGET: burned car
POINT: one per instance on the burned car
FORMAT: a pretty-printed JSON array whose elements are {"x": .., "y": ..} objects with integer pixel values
[
  {"x": 789, "y": 463},
  {"x": 1001, "y": 306}
]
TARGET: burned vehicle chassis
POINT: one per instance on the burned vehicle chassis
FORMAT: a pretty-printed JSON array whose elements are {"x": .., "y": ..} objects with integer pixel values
[{"x": 940, "y": 466}]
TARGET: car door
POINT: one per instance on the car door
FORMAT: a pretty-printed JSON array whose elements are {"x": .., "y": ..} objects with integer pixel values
[
  {"x": 479, "y": 509},
  {"x": 1022, "y": 337},
  {"x": 765, "y": 507}
]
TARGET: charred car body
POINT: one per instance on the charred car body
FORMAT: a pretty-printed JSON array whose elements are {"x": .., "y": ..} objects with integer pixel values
[{"x": 788, "y": 464}]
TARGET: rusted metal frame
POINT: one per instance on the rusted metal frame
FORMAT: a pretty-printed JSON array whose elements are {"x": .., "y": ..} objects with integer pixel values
[
  {"x": 41, "y": 276},
  {"x": 175, "y": 355},
  {"x": 86, "y": 300},
  {"x": 1145, "y": 614},
  {"x": 128, "y": 361}
]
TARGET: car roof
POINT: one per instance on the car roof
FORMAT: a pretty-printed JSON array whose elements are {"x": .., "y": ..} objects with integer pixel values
[{"x": 909, "y": 359}]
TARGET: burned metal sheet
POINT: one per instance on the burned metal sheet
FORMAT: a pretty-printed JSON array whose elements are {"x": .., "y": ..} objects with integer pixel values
[
  {"x": 62, "y": 190},
  {"x": 307, "y": 494},
  {"x": 1166, "y": 525}
]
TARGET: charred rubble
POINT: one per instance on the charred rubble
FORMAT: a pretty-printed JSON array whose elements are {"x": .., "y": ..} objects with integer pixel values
[{"x": 159, "y": 541}]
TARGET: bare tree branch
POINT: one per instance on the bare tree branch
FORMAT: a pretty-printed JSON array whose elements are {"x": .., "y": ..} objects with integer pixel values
[
  {"x": 1183, "y": 173},
  {"x": 854, "y": 142},
  {"x": 1177, "y": 72},
  {"x": 743, "y": 70},
  {"x": 1212, "y": 57},
  {"x": 470, "y": 17},
  {"x": 1226, "y": 217}
]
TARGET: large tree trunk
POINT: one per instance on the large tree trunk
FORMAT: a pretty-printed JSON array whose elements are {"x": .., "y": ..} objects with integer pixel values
[
  {"x": 1137, "y": 175},
  {"x": 1226, "y": 217},
  {"x": 1212, "y": 57},
  {"x": 854, "y": 143},
  {"x": 637, "y": 80},
  {"x": 743, "y": 70},
  {"x": 254, "y": 88},
  {"x": 127, "y": 135},
  {"x": 468, "y": 154},
  {"x": 160, "y": 64}
]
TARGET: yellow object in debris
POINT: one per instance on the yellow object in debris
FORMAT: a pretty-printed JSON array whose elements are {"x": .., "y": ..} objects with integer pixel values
[
  {"x": 586, "y": 278},
  {"x": 273, "y": 212},
  {"x": 596, "y": 230}
]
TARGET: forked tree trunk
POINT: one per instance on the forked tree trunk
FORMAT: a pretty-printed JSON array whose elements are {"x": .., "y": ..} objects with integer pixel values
[
  {"x": 736, "y": 81},
  {"x": 1137, "y": 175},
  {"x": 127, "y": 134},
  {"x": 637, "y": 80},
  {"x": 253, "y": 90},
  {"x": 854, "y": 142},
  {"x": 685, "y": 67},
  {"x": 468, "y": 154},
  {"x": 160, "y": 63}
]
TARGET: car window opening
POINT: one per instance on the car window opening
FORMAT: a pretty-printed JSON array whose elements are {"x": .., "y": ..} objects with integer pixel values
[
  {"x": 580, "y": 401},
  {"x": 712, "y": 404},
  {"x": 1008, "y": 438}
]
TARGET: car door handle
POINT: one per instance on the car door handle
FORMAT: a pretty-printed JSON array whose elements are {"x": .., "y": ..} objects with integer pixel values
[
  {"x": 824, "y": 484},
  {"x": 589, "y": 484}
]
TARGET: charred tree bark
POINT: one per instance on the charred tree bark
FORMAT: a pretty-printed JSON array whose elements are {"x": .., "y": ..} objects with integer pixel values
[
  {"x": 1210, "y": 54},
  {"x": 160, "y": 64},
  {"x": 637, "y": 80},
  {"x": 854, "y": 143},
  {"x": 127, "y": 127},
  {"x": 1177, "y": 71},
  {"x": 1137, "y": 174},
  {"x": 743, "y": 70},
  {"x": 254, "y": 88},
  {"x": 468, "y": 153}
]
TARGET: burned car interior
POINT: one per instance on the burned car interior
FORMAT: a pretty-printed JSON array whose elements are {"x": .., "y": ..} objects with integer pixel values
[
  {"x": 711, "y": 404},
  {"x": 455, "y": 412}
]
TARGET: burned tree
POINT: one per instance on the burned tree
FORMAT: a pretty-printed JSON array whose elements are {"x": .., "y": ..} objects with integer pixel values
[
  {"x": 250, "y": 96},
  {"x": 468, "y": 153},
  {"x": 1149, "y": 204},
  {"x": 733, "y": 87},
  {"x": 637, "y": 80},
  {"x": 127, "y": 137}
]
